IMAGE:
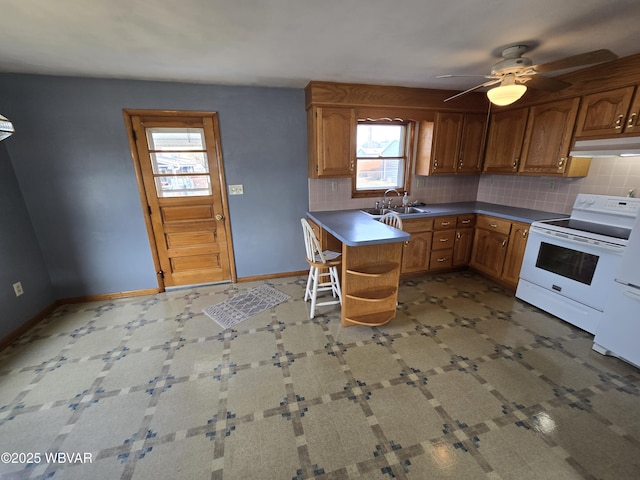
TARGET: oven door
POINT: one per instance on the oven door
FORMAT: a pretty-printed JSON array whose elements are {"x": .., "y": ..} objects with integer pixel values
[{"x": 571, "y": 266}]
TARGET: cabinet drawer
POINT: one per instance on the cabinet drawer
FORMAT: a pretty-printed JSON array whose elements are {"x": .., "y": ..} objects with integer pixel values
[
  {"x": 466, "y": 220},
  {"x": 493, "y": 224},
  {"x": 441, "y": 259},
  {"x": 444, "y": 223},
  {"x": 443, "y": 239},
  {"x": 417, "y": 225}
]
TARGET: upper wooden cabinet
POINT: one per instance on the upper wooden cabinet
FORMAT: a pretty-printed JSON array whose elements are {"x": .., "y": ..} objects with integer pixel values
[
  {"x": 331, "y": 138},
  {"x": 535, "y": 141},
  {"x": 504, "y": 141},
  {"x": 454, "y": 145},
  {"x": 547, "y": 139},
  {"x": 609, "y": 113}
]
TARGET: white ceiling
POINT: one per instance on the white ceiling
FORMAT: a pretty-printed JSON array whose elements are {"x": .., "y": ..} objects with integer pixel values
[{"x": 286, "y": 43}]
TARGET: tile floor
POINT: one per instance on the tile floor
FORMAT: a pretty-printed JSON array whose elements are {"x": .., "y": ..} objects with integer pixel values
[{"x": 466, "y": 383}]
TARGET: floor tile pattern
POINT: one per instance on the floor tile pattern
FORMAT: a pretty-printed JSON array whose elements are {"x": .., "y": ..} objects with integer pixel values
[{"x": 467, "y": 382}]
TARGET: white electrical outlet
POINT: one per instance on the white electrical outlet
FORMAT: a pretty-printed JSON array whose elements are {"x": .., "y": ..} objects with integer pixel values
[
  {"x": 334, "y": 186},
  {"x": 17, "y": 287},
  {"x": 236, "y": 190},
  {"x": 552, "y": 185}
]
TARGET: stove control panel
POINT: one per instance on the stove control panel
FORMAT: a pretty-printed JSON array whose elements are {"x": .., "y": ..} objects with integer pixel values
[{"x": 607, "y": 204}]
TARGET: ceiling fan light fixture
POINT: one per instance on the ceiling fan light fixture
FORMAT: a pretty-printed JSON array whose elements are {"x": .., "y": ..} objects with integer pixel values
[
  {"x": 6, "y": 127},
  {"x": 506, "y": 94}
]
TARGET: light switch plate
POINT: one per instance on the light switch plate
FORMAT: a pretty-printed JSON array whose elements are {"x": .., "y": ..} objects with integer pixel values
[{"x": 236, "y": 190}]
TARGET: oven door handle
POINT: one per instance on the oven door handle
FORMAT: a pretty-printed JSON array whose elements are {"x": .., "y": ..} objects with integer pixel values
[{"x": 597, "y": 246}]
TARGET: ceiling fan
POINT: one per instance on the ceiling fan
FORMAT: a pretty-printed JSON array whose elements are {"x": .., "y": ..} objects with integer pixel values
[{"x": 514, "y": 71}]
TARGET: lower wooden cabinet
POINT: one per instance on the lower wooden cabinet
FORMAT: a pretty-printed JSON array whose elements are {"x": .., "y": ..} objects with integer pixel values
[
  {"x": 498, "y": 248},
  {"x": 463, "y": 243},
  {"x": 415, "y": 255}
]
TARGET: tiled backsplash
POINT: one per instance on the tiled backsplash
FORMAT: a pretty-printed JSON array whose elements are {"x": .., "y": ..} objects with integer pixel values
[{"x": 607, "y": 176}]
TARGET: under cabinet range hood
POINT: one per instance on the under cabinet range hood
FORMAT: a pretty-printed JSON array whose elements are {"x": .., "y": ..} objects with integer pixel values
[{"x": 607, "y": 147}]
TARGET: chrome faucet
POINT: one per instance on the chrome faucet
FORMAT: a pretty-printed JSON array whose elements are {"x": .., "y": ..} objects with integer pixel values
[{"x": 384, "y": 198}]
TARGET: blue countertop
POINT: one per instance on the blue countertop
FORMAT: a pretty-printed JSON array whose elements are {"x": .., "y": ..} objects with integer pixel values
[{"x": 356, "y": 228}]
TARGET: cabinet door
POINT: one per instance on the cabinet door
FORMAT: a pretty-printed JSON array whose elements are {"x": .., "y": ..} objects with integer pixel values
[
  {"x": 515, "y": 253},
  {"x": 462, "y": 246},
  {"x": 332, "y": 152},
  {"x": 489, "y": 252},
  {"x": 632, "y": 122},
  {"x": 472, "y": 143},
  {"x": 446, "y": 143},
  {"x": 504, "y": 141},
  {"x": 603, "y": 114},
  {"x": 415, "y": 256},
  {"x": 548, "y": 137}
]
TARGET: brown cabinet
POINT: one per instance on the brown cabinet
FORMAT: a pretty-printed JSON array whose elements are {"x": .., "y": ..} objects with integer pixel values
[
  {"x": 454, "y": 145},
  {"x": 498, "y": 248},
  {"x": 442, "y": 247},
  {"x": 463, "y": 242},
  {"x": 504, "y": 141},
  {"x": 515, "y": 253},
  {"x": 547, "y": 139},
  {"x": 609, "y": 113},
  {"x": 331, "y": 140},
  {"x": 415, "y": 255},
  {"x": 535, "y": 141}
]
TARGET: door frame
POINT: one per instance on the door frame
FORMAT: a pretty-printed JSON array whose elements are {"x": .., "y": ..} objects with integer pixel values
[{"x": 128, "y": 113}]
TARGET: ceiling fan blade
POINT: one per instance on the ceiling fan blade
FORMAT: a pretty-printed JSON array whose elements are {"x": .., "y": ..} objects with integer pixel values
[
  {"x": 589, "y": 58},
  {"x": 485, "y": 84},
  {"x": 455, "y": 76},
  {"x": 544, "y": 83}
]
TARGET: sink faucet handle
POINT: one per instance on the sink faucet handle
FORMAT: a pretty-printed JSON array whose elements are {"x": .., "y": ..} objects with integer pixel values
[{"x": 377, "y": 204}]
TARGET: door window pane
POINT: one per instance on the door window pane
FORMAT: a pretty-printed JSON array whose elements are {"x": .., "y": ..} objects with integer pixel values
[
  {"x": 183, "y": 185},
  {"x": 179, "y": 161}
]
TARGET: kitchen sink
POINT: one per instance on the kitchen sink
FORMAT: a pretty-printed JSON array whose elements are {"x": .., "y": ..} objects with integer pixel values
[{"x": 378, "y": 212}]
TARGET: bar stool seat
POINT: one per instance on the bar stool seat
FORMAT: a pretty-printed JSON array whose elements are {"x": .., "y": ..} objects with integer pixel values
[{"x": 323, "y": 265}]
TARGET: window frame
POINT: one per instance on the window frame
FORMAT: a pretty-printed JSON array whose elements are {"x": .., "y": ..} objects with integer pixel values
[{"x": 408, "y": 154}]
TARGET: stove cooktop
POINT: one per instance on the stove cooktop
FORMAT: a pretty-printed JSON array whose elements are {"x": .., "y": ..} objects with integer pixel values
[{"x": 589, "y": 227}]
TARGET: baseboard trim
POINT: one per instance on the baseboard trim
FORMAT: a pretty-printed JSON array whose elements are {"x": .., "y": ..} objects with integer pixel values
[
  {"x": 25, "y": 327},
  {"x": 273, "y": 275},
  {"x": 109, "y": 296}
]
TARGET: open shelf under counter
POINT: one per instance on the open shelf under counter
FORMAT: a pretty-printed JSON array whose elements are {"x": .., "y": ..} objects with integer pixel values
[
  {"x": 375, "y": 295},
  {"x": 374, "y": 269},
  {"x": 373, "y": 319}
]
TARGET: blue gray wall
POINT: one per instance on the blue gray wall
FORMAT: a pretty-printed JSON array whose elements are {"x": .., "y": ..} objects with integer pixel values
[
  {"x": 20, "y": 256},
  {"x": 72, "y": 161}
]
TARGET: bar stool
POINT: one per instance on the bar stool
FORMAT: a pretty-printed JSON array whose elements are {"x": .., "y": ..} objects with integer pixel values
[{"x": 318, "y": 260}]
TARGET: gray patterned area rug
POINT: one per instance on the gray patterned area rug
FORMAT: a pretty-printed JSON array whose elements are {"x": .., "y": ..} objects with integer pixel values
[{"x": 245, "y": 305}]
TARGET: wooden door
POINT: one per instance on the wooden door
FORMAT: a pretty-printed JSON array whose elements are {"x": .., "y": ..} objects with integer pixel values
[
  {"x": 472, "y": 143},
  {"x": 632, "y": 122},
  {"x": 332, "y": 142},
  {"x": 178, "y": 161},
  {"x": 462, "y": 246},
  {"x": 489, "y": 252},
  {"x": 415, "y": 256},
  {"x": 446, "y": 143},
  {"x": 604, "y": 113},
  {"x": 515, "y": 253},
  {"x": 504, "y": 141},
  {"x": 548, "y": 137}
]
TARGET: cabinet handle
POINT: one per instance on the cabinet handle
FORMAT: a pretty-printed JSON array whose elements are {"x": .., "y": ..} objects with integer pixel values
[
  {"x": 435, "y": 163},
  {"x": 515, "y": 163},
  {"x": 444, "y": 224},
  {"x": 493, "y": 225},
  {"x": 351, "y": 165},
  {"x": 441, "y": 259},
  {"x": 504, "y": 243},
  {"x": 525, "y": 233},
  {"x": 466, "y": 221},
  {"x": 444, "y": 240},
  {"x": 458, "y": 236},
  {"x": 561, "y": 162},
  {"x": 632, "y": 120},
  {"x": 619, "y": 122}
]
